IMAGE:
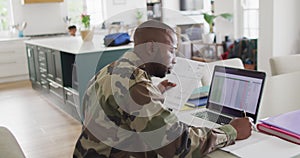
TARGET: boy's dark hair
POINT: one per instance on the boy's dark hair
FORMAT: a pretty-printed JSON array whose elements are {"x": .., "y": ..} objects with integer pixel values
[{"x": 72, "y": 27}]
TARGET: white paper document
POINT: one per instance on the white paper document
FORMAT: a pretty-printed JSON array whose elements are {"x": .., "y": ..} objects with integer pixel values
[
  {"x": 262, "y": 145},
  {"x": 187, "y": 75}
]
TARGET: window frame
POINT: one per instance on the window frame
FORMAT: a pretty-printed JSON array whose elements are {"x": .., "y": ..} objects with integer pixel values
[
  {"x": 9, "y": 18},
  {"x": 249, "y": 28}
]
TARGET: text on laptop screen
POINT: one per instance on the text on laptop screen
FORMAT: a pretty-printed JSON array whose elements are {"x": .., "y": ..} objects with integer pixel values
[{"x": 235, "y": 91}]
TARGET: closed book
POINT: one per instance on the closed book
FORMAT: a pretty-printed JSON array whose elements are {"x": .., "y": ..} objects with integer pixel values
[
  {"x": 197, "y": 102},
  {"x": 286, "y": 124},
  {"x": 200, "y": 92},
  {"x": 292, "y": 137},
  {"x": 288, "y": 121}
]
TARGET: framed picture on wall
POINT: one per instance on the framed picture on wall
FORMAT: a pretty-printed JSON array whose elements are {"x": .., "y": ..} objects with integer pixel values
[{"x": 119, "y": 2}]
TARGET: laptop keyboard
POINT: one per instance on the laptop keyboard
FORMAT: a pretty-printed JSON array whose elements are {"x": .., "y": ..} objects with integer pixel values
[{"x": 206, "y": 115}]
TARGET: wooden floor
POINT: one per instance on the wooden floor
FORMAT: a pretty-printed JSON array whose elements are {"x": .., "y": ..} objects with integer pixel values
[{"x": 41, "y": 129}]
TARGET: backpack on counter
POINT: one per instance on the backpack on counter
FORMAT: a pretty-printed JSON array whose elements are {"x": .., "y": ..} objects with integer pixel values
[{"x": 116, "y": 39}]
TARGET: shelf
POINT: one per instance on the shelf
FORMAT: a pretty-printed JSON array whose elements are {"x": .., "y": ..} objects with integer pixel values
[
  {"x": 153, "y": 1},
  {"x": 191, "y": 12},
  {"x": 40, "y": 1}
]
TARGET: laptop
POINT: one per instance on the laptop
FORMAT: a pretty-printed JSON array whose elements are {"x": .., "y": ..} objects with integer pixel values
[{"x": 233, "y": 92}]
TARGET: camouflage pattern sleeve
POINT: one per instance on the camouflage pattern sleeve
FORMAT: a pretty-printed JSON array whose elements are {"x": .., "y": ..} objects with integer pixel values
[{"x": 179, "y": 140}]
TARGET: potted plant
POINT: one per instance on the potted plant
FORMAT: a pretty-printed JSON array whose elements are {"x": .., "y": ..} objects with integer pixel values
[
  {"x": 210, "y": 21},
  {"x": 139, "y": 16},
  {"x": 86, "y": 33}
]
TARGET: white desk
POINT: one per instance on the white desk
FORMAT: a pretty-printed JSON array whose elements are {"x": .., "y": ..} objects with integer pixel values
[{"x": 280, "y": 95}]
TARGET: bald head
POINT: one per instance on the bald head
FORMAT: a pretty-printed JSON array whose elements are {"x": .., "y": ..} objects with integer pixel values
[
  {"x": 154, "y": 31},
  {"x": 155, "y": 44}
]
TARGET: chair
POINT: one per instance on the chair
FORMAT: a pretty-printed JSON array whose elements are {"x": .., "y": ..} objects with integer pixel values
[
  {"x": 9, "y": 147},
  {"x": 280, "y": 95},
  {"x": 284, "y": 64},
  {"x": 209, "y": 68}
]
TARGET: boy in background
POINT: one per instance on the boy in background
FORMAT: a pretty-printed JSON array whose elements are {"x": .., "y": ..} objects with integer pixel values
[{"x": 72, "y": 30}]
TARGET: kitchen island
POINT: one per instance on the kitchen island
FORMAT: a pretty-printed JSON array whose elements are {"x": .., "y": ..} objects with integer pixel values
[{"x": 62, "y": 67}]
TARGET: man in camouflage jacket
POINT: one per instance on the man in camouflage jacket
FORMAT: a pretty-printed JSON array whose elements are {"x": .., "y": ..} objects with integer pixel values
[{"x": 124, "y": 114}]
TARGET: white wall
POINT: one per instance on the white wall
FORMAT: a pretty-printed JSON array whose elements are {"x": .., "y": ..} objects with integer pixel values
[
  {"x": 173, "y": 16},
  {"x": 279, "y": 30},
  {"x": 46, "y": 18},
  {"x": 171, "y": 4},
  {"x": 124, "y": 12},
  {"x": 265, "y": 42},
  {"x": 222, "y": 26},
  {"x": 238, "y": 19},
  {"x": 41, "y": 18},
  {"x": 286, "y": 27}
]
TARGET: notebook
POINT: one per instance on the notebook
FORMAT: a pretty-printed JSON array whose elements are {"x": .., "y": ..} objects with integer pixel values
[
  {"x": 283, "y": 125},
  {"x": 281, "y": 133},
  {"x": 232, "y": 92}
]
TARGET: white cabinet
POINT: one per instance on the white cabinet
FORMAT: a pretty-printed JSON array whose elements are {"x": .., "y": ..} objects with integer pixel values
[{"x": 13, "y": 61}]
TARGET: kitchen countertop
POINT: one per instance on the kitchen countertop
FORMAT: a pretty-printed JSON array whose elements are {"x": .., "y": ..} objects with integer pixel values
[
  {"x": 75, "y": 45},
  {"x": 7, "y": 39}
]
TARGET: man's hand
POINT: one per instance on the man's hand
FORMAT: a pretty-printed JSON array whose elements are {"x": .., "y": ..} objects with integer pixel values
[
  {"x": 243, "y": 127},
  {"x": 165, "y": 85}
]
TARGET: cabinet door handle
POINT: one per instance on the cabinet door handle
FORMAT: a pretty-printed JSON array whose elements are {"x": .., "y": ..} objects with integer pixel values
[
  {"x": 41, "y": 59},
  {"x": 43, "y": 75},
  {"x": 29, "y": 52},
  {"x": 42, "y": 70},
  {"x": 58, "y": 79},
  {"x": 69, "y": 93},
  {"x": 54, "y": 85},
  {"x": 50, "y": 75}
]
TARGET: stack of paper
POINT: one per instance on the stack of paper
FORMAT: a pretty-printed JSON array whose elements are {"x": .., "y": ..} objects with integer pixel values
[
  {"x": 187, "y": 75},
  {"x": 263, "y": 145}
]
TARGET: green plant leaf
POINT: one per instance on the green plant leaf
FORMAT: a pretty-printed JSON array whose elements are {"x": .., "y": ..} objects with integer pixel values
[
  {"x": 139, "y": 14},
  {"x": 209, "y": 18},
  {"x": 85, "y": 19},
  {"x": 227, "y": 16}
]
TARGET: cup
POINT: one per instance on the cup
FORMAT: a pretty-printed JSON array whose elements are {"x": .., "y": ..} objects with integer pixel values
[{"x": 21, "y": 34}]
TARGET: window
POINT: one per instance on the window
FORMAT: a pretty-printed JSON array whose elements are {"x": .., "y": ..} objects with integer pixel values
[
  {"x": 75, "y": 9},
  {"x": 250, "y": 18},
  {"x": 94, "y": 8},
  {"x": 90, "y": 7},
  {"x": 4, "y": 15}
]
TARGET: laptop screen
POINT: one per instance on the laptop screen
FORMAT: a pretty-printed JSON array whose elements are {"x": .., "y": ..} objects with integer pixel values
[{"x": 234, "y": 91}]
